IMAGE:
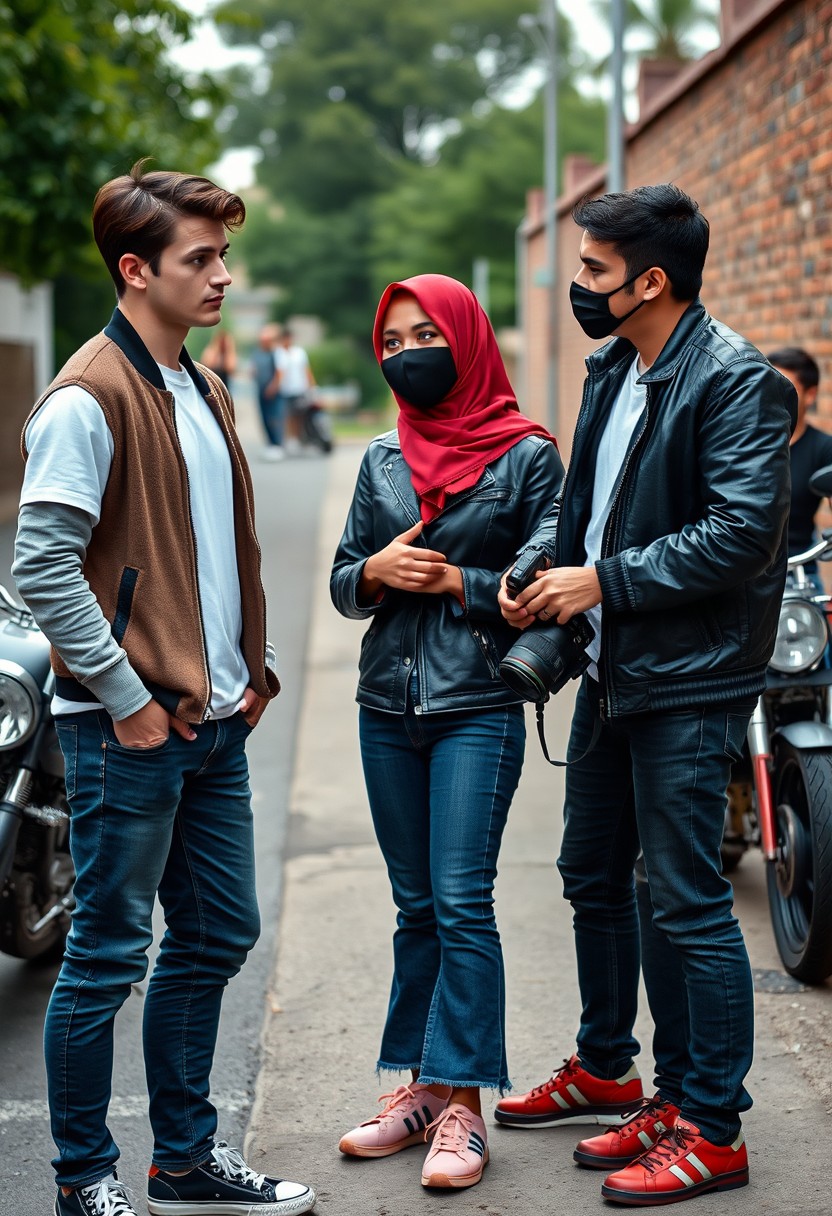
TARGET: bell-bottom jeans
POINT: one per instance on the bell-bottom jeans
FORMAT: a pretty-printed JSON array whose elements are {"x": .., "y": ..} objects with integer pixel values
[
  {"x": 659, "y": 781},
  {"x": 176, "y": 820},
  {"x": 440, "y": 786}
]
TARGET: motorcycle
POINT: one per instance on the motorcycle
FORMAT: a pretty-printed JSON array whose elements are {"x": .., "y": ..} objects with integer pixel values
[
  {"x": 36, "y": 871},
  {"x": 780, "y": 796}
]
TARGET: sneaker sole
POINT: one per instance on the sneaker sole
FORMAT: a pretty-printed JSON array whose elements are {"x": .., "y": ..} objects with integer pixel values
[
  {"x": 282, "y": 1207},
  {"x": 607, "y": 1116},
  {"x": 446, "y": 1182},
  {"x": 591, "y": 1162},
  {"x": 358, "y": 1150},
  {"x": 726, "y": 1182}
]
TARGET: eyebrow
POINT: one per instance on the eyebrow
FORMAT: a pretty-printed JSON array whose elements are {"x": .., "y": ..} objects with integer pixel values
[
  {"x": 419, "y": 325},
  {"x": 191, "y": 253},
  {"x": 594, "y": 262}
]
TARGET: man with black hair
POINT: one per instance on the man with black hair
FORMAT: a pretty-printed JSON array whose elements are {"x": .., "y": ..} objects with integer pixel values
[
  {"x": 671, "y": 538},
  {"x": 811, "y": 449}
]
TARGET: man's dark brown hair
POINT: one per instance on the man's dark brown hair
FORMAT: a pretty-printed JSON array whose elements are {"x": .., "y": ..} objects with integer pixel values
[{"x": 138, "y": 214}]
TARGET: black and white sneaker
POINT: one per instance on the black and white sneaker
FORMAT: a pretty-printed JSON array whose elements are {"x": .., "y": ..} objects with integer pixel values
[
  {"x": 105, "y": 1198},
  {"x": 224, "y": 1186}
]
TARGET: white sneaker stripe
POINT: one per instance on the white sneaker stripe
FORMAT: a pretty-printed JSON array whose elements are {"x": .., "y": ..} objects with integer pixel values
[
  {"x": 659, "y": 1126},
  {"x": 703, "y": 1169},
  {"x": 577, "y": 1095},
  {"x": 681, "y": 1175},
  {"x": 646, "y": 1140},
  {"x": 560, "y": 1101}
]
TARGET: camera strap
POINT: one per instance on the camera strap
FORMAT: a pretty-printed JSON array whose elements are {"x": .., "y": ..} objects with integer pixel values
[{"x": 596, "y": 735}]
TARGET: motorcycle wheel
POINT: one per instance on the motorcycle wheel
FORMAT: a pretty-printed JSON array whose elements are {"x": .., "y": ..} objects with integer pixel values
[{"x": 800, "y": 879}]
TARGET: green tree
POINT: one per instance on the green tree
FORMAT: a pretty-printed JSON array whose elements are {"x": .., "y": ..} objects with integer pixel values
[
  {"x": 666, "y": 29},
  {"x": 86, "y": 89}
]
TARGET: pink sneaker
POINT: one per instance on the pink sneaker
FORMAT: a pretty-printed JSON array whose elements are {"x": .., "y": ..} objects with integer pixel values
[
  {"x": 459, "y": 1151},
  {"x": 402, "y": 1122}
]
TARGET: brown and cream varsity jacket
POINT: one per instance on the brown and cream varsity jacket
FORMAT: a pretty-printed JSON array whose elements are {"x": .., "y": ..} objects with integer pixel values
[{"x": 141, "y": 561}]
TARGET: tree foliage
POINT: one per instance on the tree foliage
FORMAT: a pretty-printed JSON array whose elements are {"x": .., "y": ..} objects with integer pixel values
[{"x": 85, "y": 90}]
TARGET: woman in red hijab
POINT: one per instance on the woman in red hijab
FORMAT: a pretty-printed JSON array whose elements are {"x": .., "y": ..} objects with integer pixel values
[{"x": 441, "y": 508}]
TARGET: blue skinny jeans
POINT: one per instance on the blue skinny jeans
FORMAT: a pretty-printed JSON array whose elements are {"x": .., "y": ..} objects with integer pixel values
[
  {"x": 440, "y": 786},
  {"x": 658, "y": 780},
  {"x": 174, "y": 819}
]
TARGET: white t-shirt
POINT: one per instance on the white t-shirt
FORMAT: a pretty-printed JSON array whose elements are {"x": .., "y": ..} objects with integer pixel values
[
  {"x": 70, "y": 452},
  {"x": 624, "y": 415},
  {"x": 293, "y": 363}
]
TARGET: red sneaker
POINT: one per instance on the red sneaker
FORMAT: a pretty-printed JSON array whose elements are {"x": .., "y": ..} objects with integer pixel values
[
  {"x": 619, "y": 1146},
  {"x": 681, "y": 1166},
  {"x": 572, "y": 1093}
]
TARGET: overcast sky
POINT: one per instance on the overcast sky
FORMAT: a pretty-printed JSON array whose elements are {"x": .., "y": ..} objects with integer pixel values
[{"x": 206, "y": 51}]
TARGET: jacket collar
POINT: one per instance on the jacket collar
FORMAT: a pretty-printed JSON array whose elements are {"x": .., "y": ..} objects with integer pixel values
[
  {"x": 126, "y": 338},
  {"x": 666, "y": 366}
]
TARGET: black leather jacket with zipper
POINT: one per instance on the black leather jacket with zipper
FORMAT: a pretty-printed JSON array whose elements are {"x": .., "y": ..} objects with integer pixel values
[
  {"x": 693, "y": 559},
  {"x": 456, "y": 649}
]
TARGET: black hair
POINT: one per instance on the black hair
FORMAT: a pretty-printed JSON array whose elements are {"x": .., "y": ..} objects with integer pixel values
[
  {"x": 651, "y": 226},
  {"x": 795, "y": 359}
]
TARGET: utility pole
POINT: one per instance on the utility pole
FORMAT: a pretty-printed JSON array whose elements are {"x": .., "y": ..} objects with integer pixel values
[{"x": 615, "y": 116}]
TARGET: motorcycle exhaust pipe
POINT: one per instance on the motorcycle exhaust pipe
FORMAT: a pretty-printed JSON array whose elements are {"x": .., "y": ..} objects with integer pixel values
[{"x": 15, "y": 800}]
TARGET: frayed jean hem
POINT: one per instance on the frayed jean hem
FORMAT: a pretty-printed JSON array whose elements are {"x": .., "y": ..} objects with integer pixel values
[
  {"x": 503, "y": 1086},
  {"x": 383, "y": 1066}
]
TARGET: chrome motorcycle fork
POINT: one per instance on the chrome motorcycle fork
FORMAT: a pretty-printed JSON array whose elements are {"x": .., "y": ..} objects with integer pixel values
[{"x": 759, "y": 745}]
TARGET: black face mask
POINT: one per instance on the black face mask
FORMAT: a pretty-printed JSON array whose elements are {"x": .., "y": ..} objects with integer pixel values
[
  {"x": 421, "y": 377},
  {"x": 592, "y": 309}
]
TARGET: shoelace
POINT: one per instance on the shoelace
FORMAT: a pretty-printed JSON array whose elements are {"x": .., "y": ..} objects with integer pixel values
[
  {"x": 451, "y": 1130},
  {"x": 231, "y": 1164},
  {"x": 667, "y": 1148},
  {"x": 400, "y": 1094},
  {"x": 108, "y": 1198},
  {"x": 641, "y": 1114},
  {"x": 567, "y": 1069}
]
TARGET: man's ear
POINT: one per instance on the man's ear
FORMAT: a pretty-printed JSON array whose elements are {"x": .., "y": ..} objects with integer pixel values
[
  {"x": 810, "y": 396},
  {"x": 133, "y": 270},
  {"x": 657, "y": 280}
]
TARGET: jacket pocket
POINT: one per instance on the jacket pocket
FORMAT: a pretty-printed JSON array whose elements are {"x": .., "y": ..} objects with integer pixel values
[
  {"x": 124, "y": 603},
  {"x": 488, "y": 650},
  {"x": 709, "y": 630}
]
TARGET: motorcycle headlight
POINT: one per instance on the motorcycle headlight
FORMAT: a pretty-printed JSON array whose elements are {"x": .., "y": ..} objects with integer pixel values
[
  {"x": 801, "y": 637},
  {"x": 20, "y": 702}
]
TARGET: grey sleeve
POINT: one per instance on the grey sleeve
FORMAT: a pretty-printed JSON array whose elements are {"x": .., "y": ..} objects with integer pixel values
[{"x": 49, "y": 554}]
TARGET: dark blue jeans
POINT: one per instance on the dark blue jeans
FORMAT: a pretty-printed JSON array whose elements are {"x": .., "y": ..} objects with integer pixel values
[
  {"x": 659, "y": 781},
  {"x": 440, "y": 786},
  {"x": 174, "y": 819}
]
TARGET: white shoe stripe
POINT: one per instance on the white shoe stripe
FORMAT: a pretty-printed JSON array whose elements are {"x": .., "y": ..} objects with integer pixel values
[
  {"x": 703, "y": 1169},
  {"x": 577, "y": 1095},
  {"x": 659, "y": 1126},
  {"x": 646, "y": 1140},
  {"x": 630, "y": 1075},
  {"x": 681, "y": 1175},
  {"x": 560, "y": 1101}
]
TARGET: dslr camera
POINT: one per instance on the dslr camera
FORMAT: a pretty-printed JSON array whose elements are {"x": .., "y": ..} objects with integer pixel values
[{"x": 549, "y": 655}]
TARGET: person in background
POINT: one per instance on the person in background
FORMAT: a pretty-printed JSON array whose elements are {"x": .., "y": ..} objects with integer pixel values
[
  {"x": 220, "y": 355},
  {"x": 811, "y": 448},
  {"x": 267, "y": 379},
  {"x": 137, "y": 555},
  {"x": 441, "y": 507},
  {"x": 295, "y": 379}
]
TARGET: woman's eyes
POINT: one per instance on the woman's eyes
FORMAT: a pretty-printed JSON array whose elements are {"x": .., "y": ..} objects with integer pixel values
[{"x": 423, "y": 336}]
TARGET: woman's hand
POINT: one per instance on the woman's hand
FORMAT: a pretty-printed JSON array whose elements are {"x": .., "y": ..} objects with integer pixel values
[{"x": 402, "y": 565}]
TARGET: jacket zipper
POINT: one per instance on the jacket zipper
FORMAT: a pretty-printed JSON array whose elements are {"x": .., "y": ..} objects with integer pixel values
[
  {"x": 206, "y": 708},
  {"x": 579, "y": 426},
  {"x": 606, "y": 700}
]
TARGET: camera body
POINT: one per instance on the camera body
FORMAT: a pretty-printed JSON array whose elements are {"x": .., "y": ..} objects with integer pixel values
[{"x": 549, "y": 655}]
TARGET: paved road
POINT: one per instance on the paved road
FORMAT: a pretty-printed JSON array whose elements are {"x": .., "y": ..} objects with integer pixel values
[
  {"x": 333, "y": 978},
  {"x": 288, "y": 501}
]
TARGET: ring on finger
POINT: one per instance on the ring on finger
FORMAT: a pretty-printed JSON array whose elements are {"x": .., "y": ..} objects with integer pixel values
[{"x": 544, "y": 612}]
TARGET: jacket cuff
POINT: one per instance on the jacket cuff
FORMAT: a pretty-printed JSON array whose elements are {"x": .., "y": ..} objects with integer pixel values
[
  {"x": 615, "y": 586},
  {"x": 119, "y": 690}
]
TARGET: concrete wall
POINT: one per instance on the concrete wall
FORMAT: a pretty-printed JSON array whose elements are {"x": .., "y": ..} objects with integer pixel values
[
  {"x": 25, "y": 370},
  {"x": 746, "y": 132}
]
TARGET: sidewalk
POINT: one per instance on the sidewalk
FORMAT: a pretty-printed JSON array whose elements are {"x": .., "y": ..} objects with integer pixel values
[{"x": 330, "y": 990}]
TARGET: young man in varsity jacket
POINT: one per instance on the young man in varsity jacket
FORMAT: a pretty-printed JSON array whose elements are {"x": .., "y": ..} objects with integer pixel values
[{"x": 137, "y": 554}]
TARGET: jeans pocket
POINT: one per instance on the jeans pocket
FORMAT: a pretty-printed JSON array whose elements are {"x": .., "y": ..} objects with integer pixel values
[
  {"x": 736, "y": 729},
  {"x": 68, "y": 739}
]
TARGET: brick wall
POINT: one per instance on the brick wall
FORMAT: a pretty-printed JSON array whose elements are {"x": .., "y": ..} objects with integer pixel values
[{"x": 747, "y": 132}]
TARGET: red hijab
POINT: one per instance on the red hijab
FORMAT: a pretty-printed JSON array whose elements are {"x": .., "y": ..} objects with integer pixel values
[{"x": 448, "y": 447}]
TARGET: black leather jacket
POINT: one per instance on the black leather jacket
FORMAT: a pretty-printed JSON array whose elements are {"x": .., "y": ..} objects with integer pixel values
[
  {"x": 693, "y": 559},
  {"x": 456, "y": 650}
]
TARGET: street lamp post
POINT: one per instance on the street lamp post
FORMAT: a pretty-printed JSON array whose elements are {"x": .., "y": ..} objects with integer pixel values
[
  {"x": 615, "y": 116},
  {"x": 543, "y": 29}
]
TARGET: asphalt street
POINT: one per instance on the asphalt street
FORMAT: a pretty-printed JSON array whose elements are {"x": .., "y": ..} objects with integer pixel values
[{"x": 288, "y": 498}]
